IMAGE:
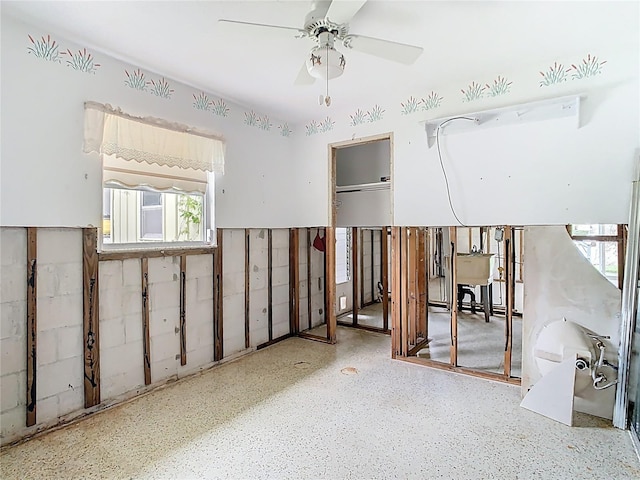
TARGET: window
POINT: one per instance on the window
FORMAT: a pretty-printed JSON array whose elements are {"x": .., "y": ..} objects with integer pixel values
[
  {"x": 343, "y": 258},
  {"x": 157, "y": 177},
  {"x": 602, "y": 245}
]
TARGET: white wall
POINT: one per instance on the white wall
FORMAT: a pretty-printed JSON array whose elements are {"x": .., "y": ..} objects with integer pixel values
[
  {"x": 48, "y": 181},
  {"x": 560, "y": 282},
  {"x": 545, "y": 172}
]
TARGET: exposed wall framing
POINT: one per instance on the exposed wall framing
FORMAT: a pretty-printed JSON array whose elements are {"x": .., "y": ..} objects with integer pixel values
[
  {"x": 218, "y": 330},
  {"x": 32, "y": 323},
  {"x": 90, "y": 317},
  {"x": 183, "y": 310},
  {"x": 146, "y": 342}
]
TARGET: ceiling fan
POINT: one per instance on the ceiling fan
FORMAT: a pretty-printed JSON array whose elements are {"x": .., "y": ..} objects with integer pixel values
[{"x": 328, "y": 22}]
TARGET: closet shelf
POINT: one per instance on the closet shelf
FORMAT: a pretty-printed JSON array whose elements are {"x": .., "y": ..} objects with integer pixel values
[{"x": 363, "y": 187}]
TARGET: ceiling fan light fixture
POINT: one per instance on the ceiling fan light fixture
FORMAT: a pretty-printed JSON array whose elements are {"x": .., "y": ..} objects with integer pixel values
[{"x": 325, "y": 63}]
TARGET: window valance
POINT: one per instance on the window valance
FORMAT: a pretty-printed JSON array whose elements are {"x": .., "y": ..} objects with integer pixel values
[{"x": 150, "y": 140}]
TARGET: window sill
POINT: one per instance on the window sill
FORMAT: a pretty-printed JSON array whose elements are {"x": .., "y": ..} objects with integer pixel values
[{"x": 128, "y": 251}]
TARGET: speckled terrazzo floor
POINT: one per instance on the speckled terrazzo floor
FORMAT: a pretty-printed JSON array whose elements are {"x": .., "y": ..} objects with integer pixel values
[{"x": 297, "y": 410}]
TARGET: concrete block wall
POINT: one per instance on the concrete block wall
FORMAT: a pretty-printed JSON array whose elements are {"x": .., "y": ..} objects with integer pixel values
[
  {"x": 280, "y": 282},
  {"x": 258, "y": 283},
  {"x": 233, "y": 253},
  {"x": 366, "y": 264},
  {"x": 13, "y": 314}
]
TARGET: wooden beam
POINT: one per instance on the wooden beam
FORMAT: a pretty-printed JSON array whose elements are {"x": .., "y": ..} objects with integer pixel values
[
  {"x": 622, "y": 247},
  {"x": 183, "y": 310},
  {"x": 90, "y": 321},
  {"x": 453, "y": 353},
  {"x": 309, "y": 312},
  {"x": 330, "y": 276},
  {"x": 294, "y": 281},
  {"x": 274, "y": 341},
  {"x": 404, "y": 291},
  {"x": 311, "y": 336},
  {"x": 464, "y": 370},
  {"x": 146, "y": 343},
  {"x": 164, "y": 252},
  {"x": 509, "y": 277},
  {"x": 354, "y": 274},
  {"x": 365, "y": 327},
  {"x": 247, "y": 289},
  {"x": 396, "y": 324},
  {"x": 385, "y": 278},
  {"x": 218, "y": 292},
  {"x": 32, "y": 323},
  {"x": 270, "y": 283},
  {"x": 373, "y": 282}
]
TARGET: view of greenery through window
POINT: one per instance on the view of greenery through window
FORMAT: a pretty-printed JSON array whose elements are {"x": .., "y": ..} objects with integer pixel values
[{"x": 603, "y": 254}]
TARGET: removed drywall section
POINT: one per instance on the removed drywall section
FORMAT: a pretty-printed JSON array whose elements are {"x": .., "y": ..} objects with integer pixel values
[
  {"x": 280, "y": 282},
  {"x": 561, "y": 283},
  {"x": 13, "y": 314},
  {"x": 233, "y": 281},
  {"x": 258, "y": 285}
]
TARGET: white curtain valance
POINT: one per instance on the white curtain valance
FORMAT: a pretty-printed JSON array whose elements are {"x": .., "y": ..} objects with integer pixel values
[{"x": 150, "y": 140}]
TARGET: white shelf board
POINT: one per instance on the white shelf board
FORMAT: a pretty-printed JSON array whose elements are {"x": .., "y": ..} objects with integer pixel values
[
  {"x": 526, "y": 112},
  {"x": 363, "y": 187}
]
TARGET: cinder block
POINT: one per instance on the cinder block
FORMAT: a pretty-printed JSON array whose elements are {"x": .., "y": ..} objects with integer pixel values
[
  {"x": 112, "y": 333},
  {"x": 10, "y": 393},
  {"x": 164, "y": 295},
  {"x": 200, "y": 313},
  {"x": 62, "y": 311},
  {"x": 234, "y": 315},
  {"x": 60, "y": 279},
  {"x": 233, "y": 344},
  {"x": 258, "y": 280},
  {"x": 163, "y": 369},
  {"x": 233, "y": 249},
  {"x": 13, "y": 352},
  {"x": 233, "y": 283},
  {"x": 13, "y": 283},
  {"x": 121, "y": 359},
  {"x": 47, "y": 348},
  {"x": 132, "y": 328},
  {"x": 13, "y": 319},
  {"x": 198, "y": 358},
  {"x": 70, "y": 342},
  {"x": 163, "y": 321},
  {"x": 199, "y": 266},
  {"x": 164, "y": 346},
  {"x": 59, "y": 377},
  {"x": 203, "y": 333},
  {"x": 71, "y": 400},
  {"x": 258, "y": 334},
  {"x": 280, "y": 238},
  {"x": 47, "y": 409},
  {"x": 131, "y": 273},
  {"x": 280, "y": 294},
  {"x": 204, "y": 288},
  {"x": 13, "y": 246},
  {"x": 132, "y": 300},
  {"x": 59, "y": 245},
  {"x": 11, "y": 422},
  {"x": 164, "y": 269},
  {"x": 280, "y": 276},
  {"x": 281, "y": 257},
  {"x": 110, "y": 276}
]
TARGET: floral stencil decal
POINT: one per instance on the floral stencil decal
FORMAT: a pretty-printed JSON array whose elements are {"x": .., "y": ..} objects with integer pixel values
[
  {"x": 357, "y": 118},
  {"x": 81, "y": 61},
  {"x": 263, "y": 123},
  {"x": 472, "y": 92},
  {"x": 327, "y": 124},
  {"x": 201, "y": 102},
  {"x": 161, "y": 88},
  {"x": 410, "y": 106},
  {"x": 375, "y": 114},
  {"x": 589, "y": 67},
  {"x": 219, "y": 107},
  {"x": 431, "y": 102},
  {"x": 556, "y": 73},
  {"x": 136, "y": 80},
  {"x": 312, "y": 128},
  {"x": 500, "y": 86},
  {"x": 251, "y": 118},
  {"x": 285, "y": 131},
  {"x": 44, "y": 48}
]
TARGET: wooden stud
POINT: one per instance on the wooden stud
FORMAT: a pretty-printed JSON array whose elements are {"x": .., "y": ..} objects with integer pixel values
[
  {"x": 247, "y": 289},
  {"x": 385, "y": 278},
  {"x": 218, "y": 295},
  {"x": 90, "y": 321},
  {"x": 497, "y": 377},
  {"x": 509, "y": 278},
  {"x": 354, "y": 274},
  {"x": 270, "y": 283},
  {"x": 183, "y": 310},
  {"x": 330, "y": 277},
  {"x": 309, "y": 309},
  {"x": 361, "y": 241},
  {"x": 454, "y": 297},
  {"x": 294, "y": 281},
  {"x": 365, "y": 327},
  {"x": 404, "y": 291},
  {"x": 32, "y": 323},
  {"x": 275, "y": 340},
  {"x": 146, "y": 343},
  {"x": 373, "y": 282},
  {"x": 422, "y": 286},
  {"x": 621, "y": 255},
  {"x": 396, "y": 324},
  {"x": 317, "y": 338}
]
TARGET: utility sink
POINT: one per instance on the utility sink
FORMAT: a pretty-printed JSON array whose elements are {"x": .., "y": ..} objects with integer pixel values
[{"x": 475, "y": 269}]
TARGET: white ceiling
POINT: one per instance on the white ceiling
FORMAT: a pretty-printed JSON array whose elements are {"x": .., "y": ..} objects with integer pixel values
[{"x": 462, "y": 40}]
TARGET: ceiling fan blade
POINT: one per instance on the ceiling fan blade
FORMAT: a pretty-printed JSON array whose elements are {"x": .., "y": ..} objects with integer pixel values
[
  {"x": 299, "y": 33},
  {"x": 303, "y": 77},
  {"x": 397, "y": 52},
  {"x": 342, "y": 11}
]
